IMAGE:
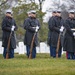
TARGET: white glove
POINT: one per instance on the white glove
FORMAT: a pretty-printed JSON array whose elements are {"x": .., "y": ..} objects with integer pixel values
[
  {"x": 73, "y": 33},
  {"x": 13, "y": 27},
  {"x": 62, "y": 28},
  {"x": 37, "y": 28}
]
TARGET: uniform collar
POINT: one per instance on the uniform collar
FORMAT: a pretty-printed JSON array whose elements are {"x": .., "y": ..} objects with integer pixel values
[
  {"x": 33, "y": 17},
  {"x": 71, "y": 18}
]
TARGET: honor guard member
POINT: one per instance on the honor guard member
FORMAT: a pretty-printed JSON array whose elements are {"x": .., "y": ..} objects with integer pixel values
[
  {"x": 69, "y": 41},
  {"x": 8, "y": 26},
  {"x": 55, "y": 27},
  {"x": 49, "y": 32},
  {"x": 31, "y": 25}
]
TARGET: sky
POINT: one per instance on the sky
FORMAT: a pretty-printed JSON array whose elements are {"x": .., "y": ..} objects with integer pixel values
[{"x": 47, "y": 4}]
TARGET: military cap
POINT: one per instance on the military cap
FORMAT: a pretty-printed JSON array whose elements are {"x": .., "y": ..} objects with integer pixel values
[
  {"x": 59, "y": 11},
  {"x": 9, "y": 11},
  {"x": 54, "y": 10},
  {"x": 72, "y": 11},
  {"x": 33, "y": 11}
]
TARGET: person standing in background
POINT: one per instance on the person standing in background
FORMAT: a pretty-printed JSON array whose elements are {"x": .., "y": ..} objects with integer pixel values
[
  {"x": 49, "y": 32},
  {"x": 55, "y": 27},
  {"x": 69, "y": 40},
  {"x": 8, "y": 26},
  {"x": 32, "y": 26}
]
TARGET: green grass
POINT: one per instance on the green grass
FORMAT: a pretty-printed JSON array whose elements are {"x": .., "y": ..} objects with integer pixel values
[{"x": 43, "y": 64}]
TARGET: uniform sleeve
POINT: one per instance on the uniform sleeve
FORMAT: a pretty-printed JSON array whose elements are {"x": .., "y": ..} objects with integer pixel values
[
  {"x": 66, "y": 24},
  {"x": 52, "y": 26},
  {"x": 27, "y": 26},
  {"x": 4, "y": 27},
  {"x": 15, "y": 25}
]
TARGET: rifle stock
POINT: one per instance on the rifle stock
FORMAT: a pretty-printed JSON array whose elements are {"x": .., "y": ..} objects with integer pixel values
[
  {"x": 7, "y": 55},
  {"x": 58, "y": 45},
  {"x": 8, "y": 46},
  {"x": 31, "y": 48}
]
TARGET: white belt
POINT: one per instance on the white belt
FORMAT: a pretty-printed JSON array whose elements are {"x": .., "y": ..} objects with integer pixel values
[{"x": 73, "y": 29}]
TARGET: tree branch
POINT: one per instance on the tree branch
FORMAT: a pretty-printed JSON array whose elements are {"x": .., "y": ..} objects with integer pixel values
[{"x": 3, "y": 2}]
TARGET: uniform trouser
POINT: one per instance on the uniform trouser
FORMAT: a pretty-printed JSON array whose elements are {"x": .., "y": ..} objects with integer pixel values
[
  {"x": 66, "y": 54},
  {"x": 11, "y": 53},
  {"x": 70, "y": 55},
  {"x": 33, "y": 51},
  {"x": 53, "y": 52}
]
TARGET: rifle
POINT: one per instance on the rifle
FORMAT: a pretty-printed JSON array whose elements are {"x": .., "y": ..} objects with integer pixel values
[
  {"x": 8, "y": 46},
  {"x": 58, "y": 45},
  {"x": 31, "y": 48}
]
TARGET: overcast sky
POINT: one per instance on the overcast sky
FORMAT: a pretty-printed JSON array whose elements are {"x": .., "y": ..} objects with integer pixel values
[{"x": 47, "y": 4}]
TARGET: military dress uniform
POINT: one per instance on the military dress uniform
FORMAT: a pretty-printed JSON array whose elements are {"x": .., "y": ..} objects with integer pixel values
[
  {"x": 49, "y": 32},
  {"x": 69, "y": 40},
  {"x": 54, "y": 26},
  {"x": 29, "y": 25},
  {"x": 6, "y": 28}
]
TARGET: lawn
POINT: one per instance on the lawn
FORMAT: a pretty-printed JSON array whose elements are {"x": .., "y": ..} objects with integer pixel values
[{"x": 43, "y": 64}]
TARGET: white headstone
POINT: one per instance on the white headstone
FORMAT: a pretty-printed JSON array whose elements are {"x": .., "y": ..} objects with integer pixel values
[
  {"x": 47, "y": 49},
  {"x": 63, "y": 51},
  {"x": 42, "y": 47},
  {"x": 16, "y": 50},
  {"x": 37, "y": 50},
  {"x": 21, "y": 48},
  {"x": 25, "y": 48},
  {"x": 1, "y": 48}
]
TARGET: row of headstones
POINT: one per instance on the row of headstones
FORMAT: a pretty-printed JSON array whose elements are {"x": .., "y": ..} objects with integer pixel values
[{"x": 21, "y": 48}]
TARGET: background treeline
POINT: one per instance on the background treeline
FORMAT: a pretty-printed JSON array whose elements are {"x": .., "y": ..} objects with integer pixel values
[{"x": 20, "y": 9}]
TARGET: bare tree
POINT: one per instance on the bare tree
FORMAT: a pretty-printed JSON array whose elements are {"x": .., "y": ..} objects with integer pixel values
[
  {"x": 3, "y": 2},
  {"x": 40, "y": 4}
]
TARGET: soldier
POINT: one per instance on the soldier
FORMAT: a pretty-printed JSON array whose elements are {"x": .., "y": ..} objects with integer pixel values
[
  {"x": 8, "y": 26},
  {"x": 31, "y": 25},
  {"x": 69, "y": 41},
  {"x": 55, "y": 29},
  {"x": 49, "y": 33}
]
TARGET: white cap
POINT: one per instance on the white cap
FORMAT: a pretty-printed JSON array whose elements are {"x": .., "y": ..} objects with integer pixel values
[
  {"x": 9, "y": 11},
  {"x": 54, "y": 10},
  {"x": 59, "y": 10},
  {"x": 33, "y": 11},
  {"x": 72, "y": 11}
]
